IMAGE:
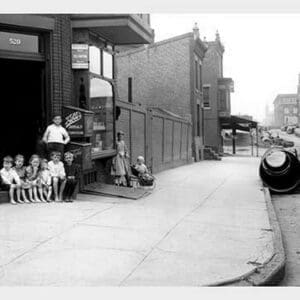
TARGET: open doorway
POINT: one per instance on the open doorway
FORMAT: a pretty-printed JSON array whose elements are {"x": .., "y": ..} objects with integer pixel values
[{"x": 23, "y": 109}]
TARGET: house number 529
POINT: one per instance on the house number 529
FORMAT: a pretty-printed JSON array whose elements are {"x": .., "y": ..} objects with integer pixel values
[{"x": 13, "y": 41}]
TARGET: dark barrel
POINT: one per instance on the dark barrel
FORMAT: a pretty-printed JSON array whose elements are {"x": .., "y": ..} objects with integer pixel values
[{"x": 280, "y": 170}]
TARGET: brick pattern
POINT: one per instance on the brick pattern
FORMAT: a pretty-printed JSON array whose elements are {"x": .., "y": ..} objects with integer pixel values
[
  {"x": 212, "y": 70},
  {"x": 61, "y": 63},
  {"x": 160, "y": 76}
]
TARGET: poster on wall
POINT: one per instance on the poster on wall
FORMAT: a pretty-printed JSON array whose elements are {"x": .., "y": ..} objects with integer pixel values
[
  {"x": 80, "y": 56},
  {"x": 77, "y": 121}
]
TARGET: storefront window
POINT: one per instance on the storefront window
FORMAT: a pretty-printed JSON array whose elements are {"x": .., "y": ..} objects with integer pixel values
[
  {"x": 101, "y": 103},
  {"x": 107, "y": 65},
  {"x": 95, "y": 60}
]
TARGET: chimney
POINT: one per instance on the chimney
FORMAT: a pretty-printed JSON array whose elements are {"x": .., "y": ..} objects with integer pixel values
[
  {"x": 196, "y": 32},
  {"x": 217, "y": 36}
]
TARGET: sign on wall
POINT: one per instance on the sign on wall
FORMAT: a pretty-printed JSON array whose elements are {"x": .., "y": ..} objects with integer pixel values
[
  {"x": 77, "y": 121},
  {"x": 80, "y": 56},
  {"x": 19, "y": 42}
]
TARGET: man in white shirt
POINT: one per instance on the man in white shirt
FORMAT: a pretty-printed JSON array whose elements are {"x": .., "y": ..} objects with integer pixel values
[{"x": 56, "y": 136}]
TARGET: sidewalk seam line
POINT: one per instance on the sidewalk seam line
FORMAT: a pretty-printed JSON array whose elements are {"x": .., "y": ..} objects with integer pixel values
[{"x": 168, "y": 232}]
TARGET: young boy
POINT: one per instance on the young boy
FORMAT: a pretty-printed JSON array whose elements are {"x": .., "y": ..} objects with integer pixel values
[
  {"x": 10, "y": 180},
  {"x": 140, "y": 165},
  {"x": 72, "y": 176},
  {"x": 56, "y": 136},
  {"x": 58, "y": 175},
  {"x": 145, "y": 178}
]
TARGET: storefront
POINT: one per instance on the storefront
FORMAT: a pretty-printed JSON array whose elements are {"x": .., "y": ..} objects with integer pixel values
[
  {"x": 25, "y": 83},
  {"x": 52, "y": 63}
]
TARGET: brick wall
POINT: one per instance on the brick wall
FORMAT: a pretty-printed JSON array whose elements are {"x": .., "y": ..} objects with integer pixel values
[
  {"x": 160, "y": 76},
  {"x": 61, "y": 63},
  {"x": 212, "y": 70}
]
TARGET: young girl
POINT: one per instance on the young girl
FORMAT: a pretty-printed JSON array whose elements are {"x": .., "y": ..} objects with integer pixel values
[
  {"x": 21, "y": 171},
  {"x": 45, "y": 179},
  {"x": 58, "y": 175},
  {"x": 10, "y": 180},
  {"x": 120, "y": 166},
  {"x": 32, "y": 173}
]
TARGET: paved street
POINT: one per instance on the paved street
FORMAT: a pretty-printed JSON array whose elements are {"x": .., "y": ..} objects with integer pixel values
[
  {"x": 205, "y": 223},
  {"x": 288, "y": 212}
]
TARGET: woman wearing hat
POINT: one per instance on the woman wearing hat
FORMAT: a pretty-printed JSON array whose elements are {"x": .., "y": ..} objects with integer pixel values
[{"x": 120, "y": 165}]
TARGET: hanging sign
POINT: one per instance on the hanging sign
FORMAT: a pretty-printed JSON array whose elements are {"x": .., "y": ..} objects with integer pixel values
[{"x": 80, "y": 56}]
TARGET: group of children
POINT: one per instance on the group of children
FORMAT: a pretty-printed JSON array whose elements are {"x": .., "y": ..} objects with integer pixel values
[{"x": 40, "y": 179}]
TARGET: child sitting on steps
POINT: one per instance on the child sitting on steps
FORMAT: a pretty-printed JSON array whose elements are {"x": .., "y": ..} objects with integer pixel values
[{"x": 10, "y": 180}]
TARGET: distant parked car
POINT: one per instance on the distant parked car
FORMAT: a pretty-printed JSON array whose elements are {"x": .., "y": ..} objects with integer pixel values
[
  {"x": 290, "y": 129},
  {"x": 284, "y": 128},
  {"x": 283, "y": 143}
]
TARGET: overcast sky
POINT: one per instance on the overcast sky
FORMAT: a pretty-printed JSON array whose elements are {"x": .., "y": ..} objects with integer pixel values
[{"x": 262, "y": 52}]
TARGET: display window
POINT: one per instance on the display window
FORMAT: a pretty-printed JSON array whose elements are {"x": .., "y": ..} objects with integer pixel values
[
  {"x": 95, "y": 60},
  {"x": 101, "y": 103},
  {"x": 101, "y": 99}
]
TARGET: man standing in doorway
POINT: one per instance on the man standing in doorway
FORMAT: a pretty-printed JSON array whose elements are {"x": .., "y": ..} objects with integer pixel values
[{"x": 56, "y": 136}]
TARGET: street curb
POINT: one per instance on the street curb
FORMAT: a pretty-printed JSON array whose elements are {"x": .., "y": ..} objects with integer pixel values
[{"x": 273, "y": 270}]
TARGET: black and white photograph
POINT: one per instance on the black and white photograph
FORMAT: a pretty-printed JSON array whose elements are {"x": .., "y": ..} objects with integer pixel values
[{"x": 153, "y": 149}]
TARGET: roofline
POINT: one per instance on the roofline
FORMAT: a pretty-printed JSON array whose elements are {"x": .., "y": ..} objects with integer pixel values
[{"x": 169, "y": 40}]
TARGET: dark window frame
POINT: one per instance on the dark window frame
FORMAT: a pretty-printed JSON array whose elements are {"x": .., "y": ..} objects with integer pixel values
[
  {"x": 130, "y": 89},
  {"x": 206, "y": 96}
]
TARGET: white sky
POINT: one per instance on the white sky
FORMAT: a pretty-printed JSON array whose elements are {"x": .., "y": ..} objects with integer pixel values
[{"x": 262, "y": 52}]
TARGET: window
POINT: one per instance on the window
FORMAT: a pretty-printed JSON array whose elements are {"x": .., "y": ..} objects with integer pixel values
[
  {"x": 101, "y": 62},
  {"x": 101, "y": 100},
  {"x": 286, "y": 110},
  {"x": 200, "y": 77},
  {"x": 222, "y": 100},
  {"x": 295, "y": 110},
  {"x": 196, "y": 75},
  {"x": 101, "y": 103},
  {"x": 95, "y": 60},
  {"x": 107, "y": 65},
  {"x": 198, "y": 119},
  {"x": 130, "y": 89},
  {"x": 206, "y": 96}
]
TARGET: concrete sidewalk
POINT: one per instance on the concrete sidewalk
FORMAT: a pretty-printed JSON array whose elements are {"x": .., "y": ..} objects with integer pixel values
[{"x": 205, "y": 223}]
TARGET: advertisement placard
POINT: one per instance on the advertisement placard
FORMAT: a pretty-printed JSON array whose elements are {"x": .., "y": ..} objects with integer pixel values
[{"x": 80, "y": 56}]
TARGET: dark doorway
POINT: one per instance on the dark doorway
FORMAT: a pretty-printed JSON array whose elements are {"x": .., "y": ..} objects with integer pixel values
[{"x": 22, "y": 107}]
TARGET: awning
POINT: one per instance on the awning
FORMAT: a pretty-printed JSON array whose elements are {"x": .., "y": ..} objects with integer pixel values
[
  {"x": 238, "y": 123},
  {"x": 120, "y": 29}
]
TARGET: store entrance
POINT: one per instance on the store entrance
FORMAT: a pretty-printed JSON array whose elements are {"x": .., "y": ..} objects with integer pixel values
[{"x": 23, "y": 109}]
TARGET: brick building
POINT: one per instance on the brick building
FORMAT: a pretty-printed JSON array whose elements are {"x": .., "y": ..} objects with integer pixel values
[
  {"x": 51, "y": 61},
  {"x": 166, "y": 75},
  {"x": 286, "y": 110},
  {"x": 216, "y": 94}
]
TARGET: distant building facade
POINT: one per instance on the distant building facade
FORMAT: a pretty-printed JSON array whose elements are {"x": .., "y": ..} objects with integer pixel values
[
  {"x": 167, "y": 75},
  {"x": 286, "y": 110},
  {"x": 216, "y": 94}
]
